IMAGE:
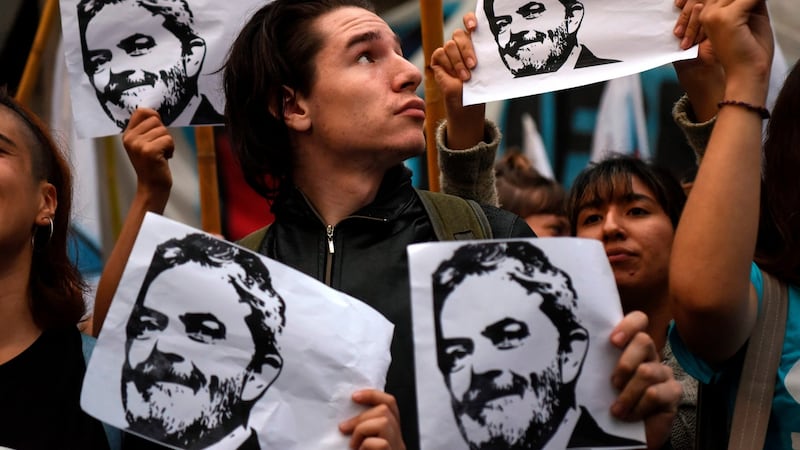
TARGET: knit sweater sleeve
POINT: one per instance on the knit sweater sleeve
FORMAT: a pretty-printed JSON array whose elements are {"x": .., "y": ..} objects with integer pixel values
[
  {"x": 697, "y": 134},
  {"x": 469, "y": 173}
]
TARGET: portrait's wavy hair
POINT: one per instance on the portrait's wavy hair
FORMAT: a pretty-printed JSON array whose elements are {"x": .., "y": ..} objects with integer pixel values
[
  {"x": 57, "y": 288},
  {"x": 613, "y": 178},
  {"x": 535, "y": 273},
  {"x": 488, "y": 9},
  {"x": 275, "y": 51}
]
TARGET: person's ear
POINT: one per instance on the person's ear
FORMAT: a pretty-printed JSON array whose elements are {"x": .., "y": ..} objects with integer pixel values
[
  {"x": 257, "y": 382},
  {"x": 574, "y": 17},
  {"x": 193, "y": 56},
  {"x": 295, "y": 110},
  {"x": 572, "y": 358},
  {"x": 48, "y": 201}
]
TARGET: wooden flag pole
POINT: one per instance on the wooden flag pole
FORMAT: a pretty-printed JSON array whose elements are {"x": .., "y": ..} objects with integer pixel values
[
  {"x": 432, "y": 23},
  {"x": 31, "y": 72},
  {"x": 210, "y": 218}
]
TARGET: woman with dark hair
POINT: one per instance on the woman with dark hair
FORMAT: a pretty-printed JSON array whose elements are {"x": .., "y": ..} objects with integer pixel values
[
  {"x": 633, "y": 208},
  {"x": 41, "y": 301}
]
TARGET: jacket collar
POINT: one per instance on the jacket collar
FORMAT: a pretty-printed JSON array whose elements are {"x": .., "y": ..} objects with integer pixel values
[{"x": 394, "y": 196}]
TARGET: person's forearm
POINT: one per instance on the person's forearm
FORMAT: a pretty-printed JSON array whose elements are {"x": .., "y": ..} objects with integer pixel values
[
  {"x": 716, "y": 235},
  {"x": 143, "y": 202},
  {"x": 705, "y": 88},
  {"x": 465, "y": 126}
]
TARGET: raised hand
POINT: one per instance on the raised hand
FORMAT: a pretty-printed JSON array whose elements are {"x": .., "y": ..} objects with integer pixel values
[
  {"x": 742, "y": 38},
  {"x": 452, "y": 64},
  {"x": 149, "y": 146},
  {"x": 702, "y": 78}
]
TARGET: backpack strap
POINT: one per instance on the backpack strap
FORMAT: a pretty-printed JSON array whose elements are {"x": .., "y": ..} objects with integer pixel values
[
  {"x": 757, "y": 384},
  {"x": 454, "y": 218},
  {"x": 113, "y": 435},
  {"x": 253, "y": 240}
]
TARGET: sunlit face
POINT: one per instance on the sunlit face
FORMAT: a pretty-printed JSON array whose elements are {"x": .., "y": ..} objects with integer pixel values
[
  {"x": 180, "y": 379},
  {"x": 637, "y": 235},
  {"x": 130, "y": 65},
  {"x": 363, "y": 102},
  {"x": 532, "y": 36},
  {"x": 548, "y": 225},
  {"x": 503, "y": 370},
  {"x": 20, "y": 193}
]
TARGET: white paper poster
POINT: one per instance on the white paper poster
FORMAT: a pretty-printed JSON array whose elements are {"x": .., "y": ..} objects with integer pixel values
[
  {"x": 160, "y": 54},
  {"x": 209, "y": 344},
  {"x": 512, "y": 345},
  {"x": 529, "y": 47}
]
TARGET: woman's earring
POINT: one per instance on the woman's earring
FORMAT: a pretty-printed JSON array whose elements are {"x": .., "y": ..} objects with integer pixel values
[{"x": 51, "y": 228}]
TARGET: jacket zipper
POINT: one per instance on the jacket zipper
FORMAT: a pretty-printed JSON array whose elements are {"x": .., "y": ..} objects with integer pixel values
[
  {"x": 329, "y": 230},
  {"x": 329, "y": 257}
]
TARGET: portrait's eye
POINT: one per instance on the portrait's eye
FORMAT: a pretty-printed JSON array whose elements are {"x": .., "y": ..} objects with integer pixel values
[
  {"x": 203, "y": 327},
  {"x": 636, "y": 211},
  {"x": 145, "y": 321},
  {"x": 98, "y": 59},
  {"x": 454, "y": 354},
  {"x": 137, "y": 44},
  {"x": 531, "y": 10},
  {"x": 502, "y": 22},
  {"x": 507, "y": 334}
]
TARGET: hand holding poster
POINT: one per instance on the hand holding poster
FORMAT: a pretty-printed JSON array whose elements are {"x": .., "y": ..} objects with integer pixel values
[
  {"x": 208, "y": 344},
  {"x": 529, "y": 47},
  {"x": 514, "y": 336}
]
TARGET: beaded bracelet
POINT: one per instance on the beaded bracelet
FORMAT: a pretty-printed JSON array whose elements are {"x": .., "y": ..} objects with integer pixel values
[{"x": 760, "y": 110}]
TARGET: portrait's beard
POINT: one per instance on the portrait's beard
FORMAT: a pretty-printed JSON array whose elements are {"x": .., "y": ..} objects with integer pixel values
[
  {"x": 543, "y": 53},
  {"x": 167, "y": 90},
  {"x": 523, "y": 414},
  {"x": 180, "y": 409}
]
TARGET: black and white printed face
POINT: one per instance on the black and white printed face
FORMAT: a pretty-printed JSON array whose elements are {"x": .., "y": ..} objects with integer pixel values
[
  {"x": 531, "y": 35},
  {"x": 135, "y": 62},
  {"x": 502, "y": 366},
  {"x": 179, "y": 371}
]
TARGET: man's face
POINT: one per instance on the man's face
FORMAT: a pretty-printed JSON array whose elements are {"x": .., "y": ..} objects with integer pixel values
[
  {"x": 363, "y": 102},
  {"x": 531, "y": 36},
  {"x": 503, "y": 370},
  {"x": 637, "y": 235},
  {"x": 131, "y": 66},
  {"x": 180, "y": 380}
]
